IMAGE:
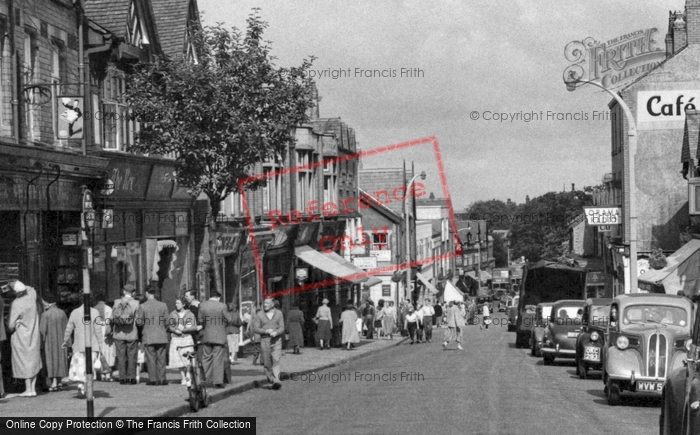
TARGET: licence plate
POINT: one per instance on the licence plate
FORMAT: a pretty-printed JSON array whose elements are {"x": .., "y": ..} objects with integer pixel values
[
  {"x": 572, "y": 334},
  {"x": 592, "y": 353},
  {"x": 650, "y": 386}
]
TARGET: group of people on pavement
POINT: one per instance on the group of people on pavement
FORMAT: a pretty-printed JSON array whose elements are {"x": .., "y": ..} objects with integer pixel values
[{"x": 50, "y": 346}]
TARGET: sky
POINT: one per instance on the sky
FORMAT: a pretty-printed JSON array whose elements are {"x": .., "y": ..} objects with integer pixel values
[{"x": 474, "y": 59}]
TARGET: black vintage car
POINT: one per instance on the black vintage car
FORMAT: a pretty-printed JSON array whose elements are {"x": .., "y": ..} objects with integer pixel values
[
  {"x": 589, "y": 344},
  {"x": 560, "y": 335},
  {"x": 680, "y": 410}
]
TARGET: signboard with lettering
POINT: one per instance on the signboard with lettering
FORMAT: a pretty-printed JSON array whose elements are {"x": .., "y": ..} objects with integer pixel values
[
  {"x": 658, "y": 110},
  {"x": 603, "y": 215},
  {"x": 130, "y": 179},
  {"x": 228, "y": 243},
  {"x": 161, "y": 184},
  {"x": 365, "y": 262},
  {"x": 382, "y": 255},
  {"x": 62, "y": 195}
]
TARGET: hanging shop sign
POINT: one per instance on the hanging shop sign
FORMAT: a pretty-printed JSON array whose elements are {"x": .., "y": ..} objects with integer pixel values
[
  {"x": 603, "y": 215},
  {"x": 302, "y": 273},
  {"x": 365, "y": 263}
]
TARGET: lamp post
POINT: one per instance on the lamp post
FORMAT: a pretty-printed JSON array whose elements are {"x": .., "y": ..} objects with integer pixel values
[
  {"x": 408, "y": 232},
  {"x": 477, "y": 271},
  {"x": 87, "y": 223},
  {"x": 571, "y": 83}
]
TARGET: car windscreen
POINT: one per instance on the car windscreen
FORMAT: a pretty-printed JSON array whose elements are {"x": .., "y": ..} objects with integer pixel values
[
  {"x": 600, "y": 315},
  {"x": 546, "y": 311},
  {"x": 655, "y": 314},
  {"x": 563, "y": 314}
]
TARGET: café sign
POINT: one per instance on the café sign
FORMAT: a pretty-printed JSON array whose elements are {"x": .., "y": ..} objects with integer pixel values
[
  {"x": 598, "y": 216},
  {"x": 365, "y": 262}
]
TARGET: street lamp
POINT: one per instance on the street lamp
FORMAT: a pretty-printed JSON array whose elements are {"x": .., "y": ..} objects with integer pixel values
[
  {"x": 408, "y": 233},
  {"x": 572, "y": 83},
  {"x": 478, "y": 270}
]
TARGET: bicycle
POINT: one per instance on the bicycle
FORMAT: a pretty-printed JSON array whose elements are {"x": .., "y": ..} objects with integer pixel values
[{"x": 198, "y": 395}]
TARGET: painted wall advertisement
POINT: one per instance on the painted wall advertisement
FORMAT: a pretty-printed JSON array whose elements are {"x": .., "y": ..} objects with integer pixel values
[{"x": 658, "y": 110}]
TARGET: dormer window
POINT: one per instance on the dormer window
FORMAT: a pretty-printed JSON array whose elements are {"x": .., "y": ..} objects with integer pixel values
[{"x": 135, "y": 33}]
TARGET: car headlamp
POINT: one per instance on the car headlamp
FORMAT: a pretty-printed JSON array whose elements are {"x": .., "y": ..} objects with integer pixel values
[
  {"x": 622, "y": 342},
  {"x": 594, "y": 336}
]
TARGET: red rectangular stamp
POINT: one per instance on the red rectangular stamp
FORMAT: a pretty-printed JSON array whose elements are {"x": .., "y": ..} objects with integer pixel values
[{"x": 334, "y": 247}]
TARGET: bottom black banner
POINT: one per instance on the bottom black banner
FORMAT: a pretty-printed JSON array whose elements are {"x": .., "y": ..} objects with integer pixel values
[{"x": 128, "y": 426}]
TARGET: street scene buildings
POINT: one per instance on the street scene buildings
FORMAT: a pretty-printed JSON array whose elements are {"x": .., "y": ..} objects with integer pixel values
[{"x": 283, "y": 228}]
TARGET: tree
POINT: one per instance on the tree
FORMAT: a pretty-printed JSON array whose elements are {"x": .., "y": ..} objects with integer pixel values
[
  {"x": 497, "y": 213},
  {"x": 222, "y": 115}
]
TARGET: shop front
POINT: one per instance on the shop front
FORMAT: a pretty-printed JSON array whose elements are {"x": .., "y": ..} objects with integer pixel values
[{"x": 143, "y": 233}]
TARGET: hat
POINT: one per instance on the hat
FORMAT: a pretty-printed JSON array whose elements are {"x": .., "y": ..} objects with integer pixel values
[
  {"x": 325, "y": 301},
  {"x": 18, "y": 286},
  {"x": 129, "y": 287}
]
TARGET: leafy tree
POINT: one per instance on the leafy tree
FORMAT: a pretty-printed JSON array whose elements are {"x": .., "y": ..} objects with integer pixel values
[
  {"x": 222, "y": 115},
  {"x": 497, "y": 213},
  {"x": 500, "y": 251}
]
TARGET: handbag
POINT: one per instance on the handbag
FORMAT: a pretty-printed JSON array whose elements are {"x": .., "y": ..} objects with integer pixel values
[{"x": 97, "y": 363}]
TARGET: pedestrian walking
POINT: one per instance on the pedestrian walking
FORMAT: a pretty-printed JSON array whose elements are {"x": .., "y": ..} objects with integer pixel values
[
  {"x": 3, "y": 336},
  {"x": 125, "y": 333},
  {"x": 255, "y": 339},
  {"x": 487, "y": 317},
  {"x": 453, "y": 332},
  {"x": 325, "y": 325},
  {"x": 437, "y": 317},
  {"x": 411, "y": 323},
  {"x": 368, "y": 314},
  {"x": 75, "y": 330},
  {"x": 471, "y": 308},
  {"x": 26, "y": 339},
  {"x": 419, "y": 329},
  {"x": 428, "y": 315},
  {"x": 152, "y": 317},
  {"x": 192, "y": 304},
  {"x": 389, "y": 320},
  {"x": 233, "y": 331},
  {"x": 295, "y": 328},
  {"x": 270, "y": 325},
  {"x": 213, "y": 316},
  {"x": 378, "y": 316},
  {"x": 107, "y": 349},
  {"x": 181, "y": 324},
  {"x": 349, "y": 319},
  {"x": 52, "y": 327}
]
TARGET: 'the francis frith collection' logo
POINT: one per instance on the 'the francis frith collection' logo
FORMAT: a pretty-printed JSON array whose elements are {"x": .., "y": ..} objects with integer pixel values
[{"x": 616, "y": 62}]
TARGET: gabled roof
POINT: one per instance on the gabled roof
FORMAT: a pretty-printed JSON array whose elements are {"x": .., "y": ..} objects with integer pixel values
[
  {"x": 380, "y": 207},
  {"x": 171, "y": 23},
  {"x": 110, "y": 14},
  {"x": 691, "y": 136},
  {"x": 383, "y": 179},
  {"x": 113, "y": 15}
]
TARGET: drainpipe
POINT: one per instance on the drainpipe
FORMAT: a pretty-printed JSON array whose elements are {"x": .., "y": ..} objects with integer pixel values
[{"x": 14, "y": 61}]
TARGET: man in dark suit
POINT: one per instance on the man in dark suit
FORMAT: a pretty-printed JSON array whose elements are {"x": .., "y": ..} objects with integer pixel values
[
  {"x": 3, "y": 337},
  {"x": 126, "y": 337},
  {"x": 153, "y": 319},
  {"x": 213, "y": 316}
]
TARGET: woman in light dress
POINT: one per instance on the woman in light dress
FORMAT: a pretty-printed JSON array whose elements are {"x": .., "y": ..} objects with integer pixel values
[
  {"x": 389, "y": 320},
  {"x": 181, "y": 323}
]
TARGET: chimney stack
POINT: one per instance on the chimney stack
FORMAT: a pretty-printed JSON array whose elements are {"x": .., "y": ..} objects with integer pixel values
[
  {"x": 573, "y": 187},
  {"x": 692, "y": 19},
  {"x": 680, "y": 37},
  {"x": 669, "y": 35}
]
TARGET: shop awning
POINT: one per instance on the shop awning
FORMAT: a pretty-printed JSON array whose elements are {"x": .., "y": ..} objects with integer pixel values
[
  {"x": 485, "y": 276},
  {"x": 427, "y": 283},
  {"x": 331, "y": 263},
  {"x": 372, "y": 281},
  {"x": 452, "y": 293},
  {"x": 681, "y": 272}
]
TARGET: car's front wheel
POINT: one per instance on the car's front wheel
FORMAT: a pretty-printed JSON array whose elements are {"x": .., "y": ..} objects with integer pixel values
[
  {"x": 612, "y": 392},
  {"x": 582, "y": 370}
]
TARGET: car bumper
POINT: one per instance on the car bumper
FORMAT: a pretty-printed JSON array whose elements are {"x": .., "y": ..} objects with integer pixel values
[{"x": 559, "y": 353}]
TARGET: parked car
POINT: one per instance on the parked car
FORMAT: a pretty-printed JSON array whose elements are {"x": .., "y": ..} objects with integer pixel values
[
  {"x": 680, "y": 410},
  {"x": 591, "y": 340},
  {"x": 512, "y": 312},
  {"x": 647, "y": 340},
  {"x": 559, "y": 340},
  {"x": 540, "y": 322},
  {"x": 481, "y": 301}
]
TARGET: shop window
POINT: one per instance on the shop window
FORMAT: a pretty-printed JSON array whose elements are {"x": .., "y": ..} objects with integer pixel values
[{"x": 126, "y": 265}]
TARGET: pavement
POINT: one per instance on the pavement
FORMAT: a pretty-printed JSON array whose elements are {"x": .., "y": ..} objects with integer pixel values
[{"x": 115, "y": 400}]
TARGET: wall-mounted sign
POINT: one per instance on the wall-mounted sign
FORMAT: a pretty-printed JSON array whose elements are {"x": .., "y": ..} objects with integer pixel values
[
  {"x": 70, "y": 117},
  {"x": 70, "y": 239},
  {"x": 382, "y": 255},
  {"x": 604, "y": 228},
  {"x": 365, "y": 262},
  {"x": 603, "y": 215},
  {"x": 302, "y": 273},
  {"x": 107, "y": 218},
  {"x": 616, "y": 62},
  {"x": 658, "y": 110}
]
